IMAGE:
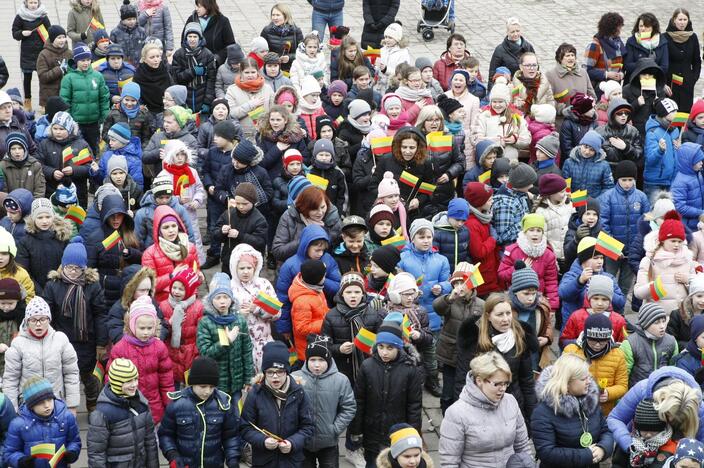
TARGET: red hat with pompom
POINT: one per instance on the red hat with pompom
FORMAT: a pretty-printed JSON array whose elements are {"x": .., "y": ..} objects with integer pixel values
[{"x": 671, "y": 227}]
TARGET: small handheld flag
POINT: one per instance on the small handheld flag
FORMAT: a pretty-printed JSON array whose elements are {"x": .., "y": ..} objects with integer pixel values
[
  {"x": 121, "y": 84},
  {"x": 67, "y": 154},
  {"x": 515, "y": 91},
  {"x": 485, "y": 176},
  {"x": 292, "y": 355},
  {"x": 609, "y": 246},
  {"x": 364, "y": 341},
  {"x": 267, "y": 303},
  {"x": 408, "y": 179},
  {"x": 98, "y": 63},
  {"x": 112, "y": 240},
  {"x": 397, "y": 241},
  {"x": 76, "y": 214},
  {"x": 439, "y": 143},
  {"x": 657, "y": 289},
  {"x": 381, "y": 145},
  {"x": 45, "y": 451},
  {"x": 99, "y": 371},
  {"x": 647, "y": 84},
  {"x": 680, "y": 119},
  {"x": 95, "y": 24},
  {"x": 58, "y": 456},
  {"x": 407, "y": 327},
  {"x": 82, "y": 158},
  {"x": 475, "y": 279},
  {"x": 568, "y": 181},
  {"x": 427, "y": 188},
  {"x": 579, "y": 198},
  {"x": 677, "y": 80},
  {"x": 43, "y": 33},
  {"x": 223, "y": 338},
  {"x": 181, "y": 184},
  {"x": 388, "y": 281},
  {"x": 318, "y": 181},
  {"x": 256, "y": 114}
]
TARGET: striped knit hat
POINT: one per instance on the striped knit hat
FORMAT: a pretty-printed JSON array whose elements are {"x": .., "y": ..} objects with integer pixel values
[
  {"x": 121, "y": 371},
  {"x": 35, "y": 390},
  {"x": 649, "y": 313},
  {"x": 295, "y": 186},
  {"x": 403, "y": 437}
]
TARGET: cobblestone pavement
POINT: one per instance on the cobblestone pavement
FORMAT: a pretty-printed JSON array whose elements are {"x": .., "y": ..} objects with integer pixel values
[{"x": 546, "y": 24}]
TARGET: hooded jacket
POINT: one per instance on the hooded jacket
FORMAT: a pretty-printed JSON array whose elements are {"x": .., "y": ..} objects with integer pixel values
[
  {"x": 483, "y": 249},
  {"x": 545, "y": 266},
  {"x": 24, "y": 201},
  {"x": 660, "y": 166},
  {"x": 572, "y": 292},
  {"x": 572, "y": 130},
  {"x": 451, "y": 243},
  {"x": 477, "y": 431},
  {"x": 688, "y": 186},
  {"x": 632, "y": 90},
  {"x": 592, "y": 174},
  {"x": 131, "y": 40},
  {"x": 308, "y": 309},
  {"x": 39, "y": 251},
  {"x": 201, "y": 88},
  {"x": 144, "y": 219},
  {"x": 133, "y": 153},
  {"x": 49, "y": 71},
  {"x": 291, "y": 225},
  {"x": 628, "y": 133},
  {"x": 86, "y": 94}
]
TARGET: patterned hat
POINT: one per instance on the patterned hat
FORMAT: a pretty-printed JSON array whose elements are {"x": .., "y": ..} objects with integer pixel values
[
  {"x": 121, "y": 371},
  {"x": 35, "y": 390}
]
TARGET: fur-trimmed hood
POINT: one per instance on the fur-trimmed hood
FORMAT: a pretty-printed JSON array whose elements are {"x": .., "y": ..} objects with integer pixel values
[
  {"x": 382, "y": 460},
  {"x": 61, "y": 228},
  {"x": 131, "y": 286},
  {"x": 569, "y": 405},
  {"x": 291, "y": 90},
  {"x": 91, "y": 275}
]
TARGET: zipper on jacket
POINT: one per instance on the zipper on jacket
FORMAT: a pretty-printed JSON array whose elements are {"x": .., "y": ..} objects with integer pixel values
[
  {"x": 655, "y": 355},
  {"x": 205, "y": 427}
]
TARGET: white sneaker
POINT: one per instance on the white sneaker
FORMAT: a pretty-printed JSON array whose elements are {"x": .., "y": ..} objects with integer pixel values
[{"x": 356, "y": 458}]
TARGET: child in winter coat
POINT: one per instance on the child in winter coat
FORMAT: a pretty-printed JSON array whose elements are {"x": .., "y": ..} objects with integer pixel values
[
  {"x": 406, "y": 448},
  {"x": 323, "y": 165},
  {"x": 126, "y": 109},
  {"x": 11, "y": 314},
  {"x": 653, "y": 440},
  {"x": 291, "y": 421},
  {"x": 194, "y": 66},
  {"x": 382, "y": 264},
  {"x": 547, "y": 155},
  {"x": 228, "y": 71},
  {"x": 130, "y": 35},
  {"x": 600, "y": 293},
  {"x": 650, "y": 347},
  {"x": 9, "y": 267},
  {"x": 611, "y": 90},
  {"x": 43, "y": 419},
  {"x": 224, "y": 336},
  {"x": 310, "y": 106},
  {"x": 555, "y": 207},
  {"x": 52, "y": 62},
  {"x": 695, "y": 126},
  {"x": 353, "y": 253},
  {"x": 121, "y": 141},
  {"x": 607, "y": 364},
  {"x": 483, "y": 248},
  {"x": 333, "y": 100},
  {"x": 687, "y": 186},
  {"x": 214, "y": 441},
  {"x": 381, "y": 222},
  {"x": 587, "y": 166},
  {"x": 148, "y": 353},
  {"x": 394, "y": 51},
  {"x": 119, "y": 177},
  {"x": 487, "y": 152},
  {"x": 532, "y": 246},
  {"x": 451, "y": 237},
  {"x": 246, "y": 265},
  {"x": 308, "y": 303},
  {"x": 326, "y": 128},
  {"x": 643, "y": 88},
  {"x": 183, "y": 310},
  {"x": 155, "y": 18},
  {"x": 292, "y": 162},
  {"x": 178, "y": 124},
  {"x": 220, "y": 112},
  {"x": 580, "y": 118},
  {"x": 688, "y": 454},
  {"x": 583, "y": 223},
  {"x": 30, "y": 18},
  {"x": 117, "y": 73},
  {"x": 511, "y": 204},
  {"x": 621, "y": 139},
  {"x": 389, "y": 194},
  {"x": 689, "y": 358},
  {"x": 660, "y": 148},
  {"x": 20, "y": 170},
  {"x": 681, "y": 318},
  {"x": 335, "y": 407},
  {"x": 39, "y": 350},
  {"x": 310, "y": 61},
  {"x": 18, "y": 206},
  {"x": 121, "y": 425},
  {"x": 100, "y": 45},
  {"x": 542, "y": 125},
  {"x": 425, "y": 65},
  {"x": 666, "y": 257}
]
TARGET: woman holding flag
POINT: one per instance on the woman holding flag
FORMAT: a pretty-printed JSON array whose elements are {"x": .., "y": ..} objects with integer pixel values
[
  {"x": 685, "y": 61},
  {"x": 84, "y": 18},
  {"x": 31, "y": 28}
]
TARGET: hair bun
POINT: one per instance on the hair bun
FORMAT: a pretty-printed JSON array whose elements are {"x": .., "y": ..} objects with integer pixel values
[{"x": 672, "y": 214}]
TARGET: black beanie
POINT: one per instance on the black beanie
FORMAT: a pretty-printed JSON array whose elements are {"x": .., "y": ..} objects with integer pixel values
[
  {"x": 625, "y": 169},
  {"x": 448, "y": 105},
  {"x": 204, "y": 371},
  {"x": 127, "y": 10},
  {"x": 387, "y": 257},
  {"x": 225, "y": 129},
  {"x": 319, "y": 347},
  {"x": 222, "y": 101},
  {"x": 647, "y": 418},
  {"x": 53, "y": 105},
  {"x": 323, "y": 120},
  {"x": 592, "y": 204},
  {"x": 55, "y": 31},
  {"x": 313, "y": 271},
  {"x": 275, "y": 356}
]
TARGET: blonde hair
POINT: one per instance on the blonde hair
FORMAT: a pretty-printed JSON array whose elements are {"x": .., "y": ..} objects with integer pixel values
[
  {"x": 147, "y": 48},
  {"x": 678, "y": 404},
  {"x": 487, "y": 364},
  {"x": 567, "y": 367},
  {"x": 285, "y": 10},
  {"x": 427, "y": 112},
  {"x": 485, "y": 344}
]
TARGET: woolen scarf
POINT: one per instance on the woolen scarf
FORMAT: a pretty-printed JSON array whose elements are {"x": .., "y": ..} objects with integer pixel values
[
  {"x": 483, "y": 217},
  {"x": 131, "y": 113},
  {"x": 137, "y": 342},
  {"x": 680, "y": 37},
  {"x": 532, "y": 85},
  {"x": 146, "y": 4},
  {"x": 529, "y": 248},
  {"x": 176, "y": 251},
  {"x": 408, "y": 94},
  {"x": 178, "y": 316},
  {"x": 504, "y": 341},
  {"x": 353, "y": 316},
  {"x": 364, "y": 129},
  {"x": 31, "y": 15},
  {"x": 74, "y": 304},
  {"x": 281, "y": 394},
  {"x": 644, "y": 452},
  {"x": 177, "y": 171},
  {"x": 251, "y": 86}
]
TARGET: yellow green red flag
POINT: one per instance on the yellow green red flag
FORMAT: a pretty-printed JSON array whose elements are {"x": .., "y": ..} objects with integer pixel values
[{"x": 609, "y": 246}]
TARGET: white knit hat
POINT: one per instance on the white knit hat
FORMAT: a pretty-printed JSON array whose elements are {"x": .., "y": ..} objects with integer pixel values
[
  {"x": 309, "y": 85},
  {"x": 37, "y": 307},
  {"x": 609, "y": 87},
  {"x": 500, "y": 92},
  {"x": 543, "y": 113},
  {"x": 394, "y": 31},
  {"x": 661, "y": 206},
  {"x": 403, "y": 282},
  {"x": 388, "y": 186},
  {"x": 696, "y": 284}
]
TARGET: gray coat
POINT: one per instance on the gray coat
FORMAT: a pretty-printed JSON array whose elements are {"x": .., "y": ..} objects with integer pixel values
[
  {"x": 478, "y": 433},
  {"x": 288, "y": 231},
  {"x": 159, "y": 26},
  {"x": 455, "y": 312},
  {"x": 333, "y": 404},
  {"x": 223, "y": 79},
  {"x": 644, "y": 355}
]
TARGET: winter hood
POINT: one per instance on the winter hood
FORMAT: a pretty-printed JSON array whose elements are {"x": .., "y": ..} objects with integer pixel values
[
  {"x": 688, "y": 155},
  {"x": 646, "y": 65},
  {"x": 310, "y": 233},
  {"x": 159, "y": 213},
  {"x": 114, "y": 204},
  {"x": 237, "y": 253}
]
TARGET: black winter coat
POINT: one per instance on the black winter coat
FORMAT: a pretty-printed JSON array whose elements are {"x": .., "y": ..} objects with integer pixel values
[
  {"x": 280, "y": 38},
  {"x": 217, "y": 34},
  {"x": 571, "y": 241},
  {"x": 201, "y": 89},
  {"x": 32, "y": 44},
  {"x": 629, "y": 134},
  {"x": 273, "y": 155},
  {"x": 377, "y": 14},
  {"x": 4, "y": 73},
  {"x": 361, "y": 198},
  {"x": 684, "y": 60},
  {"x": 522, "y": 384},
  {"x": 252, "y": 229},
  {"x": 141, "y": 125},
  {"x": 119, "y": 438},
  {"x": 230, "y": 178},
  {"x": 451, "y": 163},
  {"x": 279, "y": 202},
  {"x": 214, "y": 164},
  {"x": 153, "y": 82},
  {"x": 632, "y": 91},
  {"x": 508, "y": 54},
  {"x": 40, "y": 252},
  {"x": 387, "y": 394},
  {"x": 49, "y": 154},
  {"x": 353, "y": 137}
]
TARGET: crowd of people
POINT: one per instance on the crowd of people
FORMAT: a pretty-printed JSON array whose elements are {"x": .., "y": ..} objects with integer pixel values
[{"x": 381, "y": 223}]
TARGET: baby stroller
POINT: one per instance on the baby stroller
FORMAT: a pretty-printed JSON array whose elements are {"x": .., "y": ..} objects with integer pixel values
[{"x": 436, "y": 14}]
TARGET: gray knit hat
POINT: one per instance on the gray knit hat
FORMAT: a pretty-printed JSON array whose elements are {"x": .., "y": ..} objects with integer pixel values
[
  {"x": 522, "y": 176},
  {"x": 117, "y": 162},
  {"x": 523, "y": 277},
  {"x": 601, "y": 285},
  {"x": 418, "y": 224},
  {"x": 549, "y": 144},
  {"x": 649, "y": 313},
  {"x": 423, "y": 62},
  {"x": 41, "y": 205}
]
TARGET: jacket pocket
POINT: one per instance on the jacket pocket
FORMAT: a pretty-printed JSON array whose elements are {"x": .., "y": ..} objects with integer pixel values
[{"x": 186, "y": 427}]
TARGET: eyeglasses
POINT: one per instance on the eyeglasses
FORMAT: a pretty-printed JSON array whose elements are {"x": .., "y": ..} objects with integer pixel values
[
  {"x": 34, "y": 321},
  {"x": 499, "y": 384},
  {"x": 408, "y": 294},
  {"x": 72, "y": 268},
  {"x": 275, "y": 373},
  {"x": 530, "y": 65},
  {"x": 623, "y": 113}
]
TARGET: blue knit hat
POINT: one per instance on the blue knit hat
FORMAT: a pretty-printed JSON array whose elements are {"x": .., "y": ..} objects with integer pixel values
[
  {"x": 15, "y": 95},
  {"x": 75, "y": 253},
  {"x": 390, "y": 331},
  {"x": 689, "y": 449},
  {"x": 132, "y": 90},
  {"x": 100, "y": 35},
  {"x": 65, "y": 120},
  {"x": 35, "y": 390},
  {"x": 275, "y": 356},
  {"x": 16, "y": 138},
  {"x": 295, "y": 186},
  {"x": 120, "y": 132},
  {"x": 245, "y": 152},
  {"x": 523, "y": 277},
  {"x": 593, "y": 139},
  {"x": 220, "y": 284},
  {"x": 81, "y": 52},
  {"x": 458, "y": 209},
  {"x": 66, "y": 195},
  {"x": 115, "y": 50}
]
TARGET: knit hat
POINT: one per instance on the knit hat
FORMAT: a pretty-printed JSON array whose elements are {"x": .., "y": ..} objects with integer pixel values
[
  {"x": 423, "y": 62},
  {"x": 127, "y": 10},
  {"x": 388, "y": 186},
  {"x": 532, "y": 220},
  {"x": 500, "y": 92},
  {"x": 55, "y": 31},
  {"x": 220, "y": 284},
  {"x": 624, "y": 169},
  {"x": 419, "y": 224},
  {"x": 697, "y": 108},
  {"x": 309, "y": 85},
  {"x": 380, "y": 212},
  {"x": 403, "y": 437},
  {"x": 64, "y": 119},
  {"x": 391, "y": 100},
  {"x": 585, "y": 249},
  {"x": 15, "y": 95},
  {"x": 117, "y": 162},
  {"x": 550, "y": 184},
  {"x": 522, "y": 176},
  {"x": 225, "y": 130},
  {"x": 163, "y": 184},
  {"x": 248, "y": 191},
  {"x": 549, "y": 144},
  {"x": 295, "y": 186},
  {"x": 319, "y": 347},
  {"x": 592, "y": 205},
  {"x": 181, "y": 115},
  {"x": 598, "y": 326},
  {"x": 647, "y": 418},
  {"x": 324, "y": 121},
  {"x": 271, "y": 58},
  {"x": 523, "y": 277},
  {"x": 448, "y": 105},
  {"x": 313, "y": 271},
  {"x": 4, "y": 98},
  {"x": 390, "y": 331},
  {"x": 394, "y": 31},
  {"x": 37, "y": 307},
  {"x": 291, "y": 155},
  {"x": 337, "y": 34},
  {"x": 100, "y": 36},
  {"x": 462, "y": 272},
  {"x": 543, "y": 113},
  {"x": 357, "y": 108},
  {"x": 75, "y": 253},
  {"x": 204, "y": 371},
  {"x": 189, "y": 279},
  {"x": 7, "y": 243},
  {"x": 41, "y": 206},
  {"x": 600, "y": 285},
  {"x": 132, "y": 90},
  {"x": 337, "y": 86},
  {"x": 477, "y": 193},
  {"x": 581, "y": 103},
  {"x": 192, "y": 28},
  {"x": 402, "y": 282},
  {"x": 287, "y": 95},
  {"x": 609, "y": 86},
  {"x": 351, "y": 278},
  {"x": 223, "y": 101},
  {"x": 387, "y": 257},
  {"x": 141, "y": 307},
  {"x": 275, "y": 356},
  {"x": 121, "y": 371},
  {"x": 115, "y": 50},
  {"x": 120, "y": 132},
  {"x": 235, "y": 54},
  {"x": 502, "y": 72},
  {"x": 10, "y": 290},
  {"x": 671, "y": 227},
  {"x": 689, "y": 449},
  {"x": 665, "y": 106},
  {"x": 323, "y": 145},
  {"x": 593, "y": 139},
  {"x": 259, "y": 45},
  {"x": 54, "y": 105},
  {"x": 649, "y": 313},
  {"x": 81, "y": 52},
  {"x": 696, "y": 284},
  {"x": 178, "y": 93},
  {"x": 367, "y": 95},
  {"x": 245, "y": 152},
  {"x": 35, "y": 390},
  {"x": 16, "y": 138},
  {"x": 660, "y": 208},
  {"x": 458, "y": 208}
]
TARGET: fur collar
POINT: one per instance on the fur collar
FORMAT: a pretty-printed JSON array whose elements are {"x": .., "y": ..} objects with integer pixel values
[
  {"x": 131, "y": 286},
  {"x": 62, "y": 229},
  {"x": 382, "y": 460},
  {"x": 91, "y": 275},
  {"x": 569, "y": 405}
]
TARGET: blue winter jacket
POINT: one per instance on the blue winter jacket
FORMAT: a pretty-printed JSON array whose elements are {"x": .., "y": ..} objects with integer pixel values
[
  {"x": 450, "y": 243},
  {"x": 592, "y": 174},
  {"x": 214, "y": 164},
  {"x": 435, "y": 269},
  {"x": 572, "y": 131},
  {"x": 28, "y": 430},
  {"x": 660, "y": 166},
  {"x": 572, "y": 292},
  {"x": 688, "y": 362},
  {"x": 41, "y": 129},
  {"x": 292, "y": 266},
  {"x": 133, "y": 153},
  {"x": 293, "y": 421},
  {"x": 144, "y": 218},
  {"x": 620, "y": 212},
  {"x": 113, "y": 77},
  {"x": 621, "y": 417},
  {"x": 7, "y": 414},
  {"x": 204, "y": 433},
  {"x": 23, "y": 198},
  {"x": 688, "y": 187}
]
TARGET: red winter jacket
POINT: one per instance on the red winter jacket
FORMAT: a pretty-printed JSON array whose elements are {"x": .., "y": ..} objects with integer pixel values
[
  {"x": 155, "y": 371},
  {"x": 575, "y": 326},
  {"x": 483, "y": 248},
  {"x": 157, "y": 260},
  {"x": 545, "y": 266},
  {"x": 443, "y": 68},
  {"x": 183, "y": 356}
]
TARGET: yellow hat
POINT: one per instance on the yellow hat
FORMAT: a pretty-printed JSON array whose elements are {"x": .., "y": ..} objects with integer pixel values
[
  {"x": 533, "y": 220},
  {"x": 586, "y": 243}
]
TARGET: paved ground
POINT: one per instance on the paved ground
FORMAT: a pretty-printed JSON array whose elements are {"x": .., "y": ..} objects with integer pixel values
[{"x": 546, "y": 24}]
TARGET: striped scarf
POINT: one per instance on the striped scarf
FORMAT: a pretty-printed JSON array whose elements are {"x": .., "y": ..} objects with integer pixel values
[{"x": 74, "y": 304}]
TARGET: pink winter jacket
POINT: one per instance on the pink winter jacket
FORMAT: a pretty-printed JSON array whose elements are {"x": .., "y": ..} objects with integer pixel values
[
  {"x": 544, "y": 265},
  {"x": 537, "y": 131}
]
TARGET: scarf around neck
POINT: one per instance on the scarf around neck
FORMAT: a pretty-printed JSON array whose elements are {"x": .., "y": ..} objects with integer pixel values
[
  {"x": 454, "y": 127},
  {"x": 146, "y": 4},
  {"x": 308, "y": 108},
  {"x": 137, "y": 342},
  {"x": 651, "y": 44},
  {"x": 179, "y": 314},
  {"x": 31, "y": 15},
  {"x": 176, "y": 251},
  {"x": 281, "y": 394},
  {"x": 408, "y": 94},
  {"x": 644, "y": 452},
  {"x": 483, "y": 217},
  {"x": 590, "y": 353},
  {"x": 74, "y": 304},
  {"x": 251, "y": 86},
  {"x": 530, "y": 249},
  {"x": 178, "y": 172},
  {"x": 131, "y": 113},
  {"x": 364, "y": 129},
  {"x": 504, "y": 341},
  {"x": 680, "y": 37}
]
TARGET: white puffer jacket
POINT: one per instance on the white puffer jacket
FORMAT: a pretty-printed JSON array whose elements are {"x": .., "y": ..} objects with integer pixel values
[
  {"x": 492, "y": 127},
  {"x": 557, "y": 218}
]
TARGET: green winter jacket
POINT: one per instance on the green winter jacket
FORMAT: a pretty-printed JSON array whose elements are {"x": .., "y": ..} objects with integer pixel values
[
  {"x": 235, "y": 360},
  {"x": 86, "y": 94}
]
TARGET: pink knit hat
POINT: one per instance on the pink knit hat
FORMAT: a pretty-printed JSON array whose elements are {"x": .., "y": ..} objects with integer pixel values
[
  {"x": 388, "y": 186},
  {"x": 140, "y": 307}
]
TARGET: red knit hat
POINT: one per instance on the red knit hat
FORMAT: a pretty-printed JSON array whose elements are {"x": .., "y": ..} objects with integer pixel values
[
  {"x": 477, "y": 193},
  {"x": 189, "y": 279},
  {"x": 697, "y": 109},
  {"x": 671, "y": 227},
  {"x": 292, "y": 155}
]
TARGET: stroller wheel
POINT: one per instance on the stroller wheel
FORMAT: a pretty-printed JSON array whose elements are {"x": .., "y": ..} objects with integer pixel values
[
  {"x": 428, "y": 35},
  {"x": 419, "y": 26}
]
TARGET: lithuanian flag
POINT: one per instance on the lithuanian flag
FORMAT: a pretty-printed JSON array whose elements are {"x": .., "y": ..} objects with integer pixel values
[
  {"x": 112, "y": 240},
  {"x": 568, "y": 181},
  {"x": 677, "y": 80},
  {"x": 680, "y": 119},
  {"x": 163, "y": 143},
  {"x": 99, "y": 371},
  {"x": 95, "y": 24},
  {"x": 43, "y": 33},
  {"x": 76, "y": 214},
  {"x": 256, "y": 114},
  {"x": 82, "y": 158},
  {"x": 267, "y": 303},
  {"x": 657, "y": 289},
  {"x": 397, "y": 241},
  {"x": 381, "y": 145},
  {"x": 515, "y": 91},
  {"x": 562, "y": 96},
  {"x": 484, "y": 177},
  {"x": 408, "y": 179},
  {"x": 181, "y": 184},
  {"x": 121, "y": 84},
  {"x": 364, "y": 341},
  {"x": 67, "y": 154},
  {"x": 318, "y": 181},
  {"x": 292, "y": 355},
  {"x": 475, "y": 279},
  {"x": 579, "y": 198},
  {"x": 439, "y": 143},
  {"x": 609, "y": 246},
  {"x": 43, "y": 451},
  {"x": 58, "y": 456},
  {"x": 427, "y": 188},
  {"x": 388, "y": 281},
  {"x": 98, "y": 63},
  {"x": 407, "y": 327}
]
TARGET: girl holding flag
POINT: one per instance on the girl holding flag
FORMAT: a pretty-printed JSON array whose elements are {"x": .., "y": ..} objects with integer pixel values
[
  {"x": 31, "y": 28},
  {"x": 84, "y": 18}
]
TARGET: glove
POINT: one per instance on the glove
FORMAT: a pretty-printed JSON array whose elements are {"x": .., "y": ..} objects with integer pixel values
[
  {"x": 582, "y": 231},
  {"x": 25, "y": 462},
  {"x": 177, "y": 463},
  {"x": 70, "y": 457},
  {"x": 63, "y": 65},
  {"x": 205, "y": 109},
  {"x": 83, "y": 36},
  {"x": 199, "y": 71}
]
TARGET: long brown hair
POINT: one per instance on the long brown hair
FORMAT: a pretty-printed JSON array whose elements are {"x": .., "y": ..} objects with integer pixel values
[
  {"x": 485, "y": 344},
  {"x": 345, "y": 68},
  {"x": 421, "y": 152},
  {"x": 265, "y": 126}
]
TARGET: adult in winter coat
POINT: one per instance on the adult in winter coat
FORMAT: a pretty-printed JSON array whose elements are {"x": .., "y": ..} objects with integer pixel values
[
  {"x": 688, "y": 187},
  {"x": 485, "y": 426},
  {"x": 194, "y": 67},
  {"x": 684, "y": 58},
  {"x": 155, "y": 18},
  {"x": 363, "y": 169},
  {"x": 449, "y": 61},
  {"x": 282, "y": 35},
  {"x": 49, "y": 61},
  {"x": 568, "y": 428},
  {"x": 508, "y": 53},
  {"x": 622, "y": 142},
  {"x": 217, "y": 30},
  {"x": 533, "y": 87},
  {"x": 80, "y": 15},
  {"x": 153, "y": 77},
  {"x": 568, "y": 75},
  {"x": 377, "y": 15},
  {"x": 604, "y": 55},
  {"x": 646, "y": 41}
]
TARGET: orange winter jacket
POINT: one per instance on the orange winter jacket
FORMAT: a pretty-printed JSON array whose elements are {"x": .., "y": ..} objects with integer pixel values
[{"x": 307, "y": 313}]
